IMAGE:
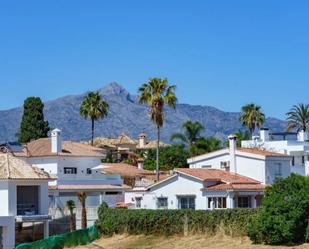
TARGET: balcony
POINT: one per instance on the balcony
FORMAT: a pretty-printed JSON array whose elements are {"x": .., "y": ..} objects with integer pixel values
[{"x": 27, "y": 209}]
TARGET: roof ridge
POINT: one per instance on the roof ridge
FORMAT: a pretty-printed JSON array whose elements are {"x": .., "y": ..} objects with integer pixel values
[{"x": 8, "y": 166}]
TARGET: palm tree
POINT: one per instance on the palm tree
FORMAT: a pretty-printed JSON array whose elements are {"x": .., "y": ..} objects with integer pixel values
[
  {"x": 71, "y": 206},
  {"x": 252, "y": 117},
  {"x": 94, "y": 108},
  {"x": 191, "y": 135},
  {"x": 82, "y": 199},
  {"x": 298, "y": 117},
  {"x": 157, "y": 93}
]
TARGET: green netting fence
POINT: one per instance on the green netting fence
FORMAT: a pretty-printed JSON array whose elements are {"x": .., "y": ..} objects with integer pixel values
[{"x": 71, "y": 239}]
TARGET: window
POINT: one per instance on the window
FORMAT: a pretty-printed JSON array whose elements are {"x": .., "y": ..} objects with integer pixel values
[
  {"x": 293, "y": 160},
  {"x": 216, "y": 202},
  {"x": 303, "y": 160},
  {"x": 162, "y": 203},
  {"x": 278, "y": 169},
  {"x": 186, "y": 202},
  {"x": 206, "y": 166},
  {"x": 70, "y": 171},
  {"x": 89, "y": 171},
  {"x": 244, "y": 201},
  {"x": 138, "y": 202}
]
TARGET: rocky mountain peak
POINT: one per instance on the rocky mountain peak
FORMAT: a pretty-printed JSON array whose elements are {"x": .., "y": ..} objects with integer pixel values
[{"x": 114, "y": 88}]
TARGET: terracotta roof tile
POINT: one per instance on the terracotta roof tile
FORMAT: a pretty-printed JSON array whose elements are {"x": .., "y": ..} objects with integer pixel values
[
  {"x": 42, "y": 147},
  {"x": 227, "y": 186},
  {"x": 216, "y": 175},
  {"x": 129, "y": 170},
  {"x": 12, "y": 167},
  {"x": 261, "y": 152}
]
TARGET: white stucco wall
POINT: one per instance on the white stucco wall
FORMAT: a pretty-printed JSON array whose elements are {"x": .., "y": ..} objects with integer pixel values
[
  {"x": 8, "y": 231},
  {"x": 4, "y": 197},
  {"x": 277, "y": 167}
]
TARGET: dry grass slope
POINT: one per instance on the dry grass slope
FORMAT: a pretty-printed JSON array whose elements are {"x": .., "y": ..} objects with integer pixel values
[{"x": 194, "y": 242}]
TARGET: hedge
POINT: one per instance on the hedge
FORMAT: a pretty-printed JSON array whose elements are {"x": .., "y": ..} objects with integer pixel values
[
  {"x": 72, "y": 239},
  {"x": 170, "y": 222}
]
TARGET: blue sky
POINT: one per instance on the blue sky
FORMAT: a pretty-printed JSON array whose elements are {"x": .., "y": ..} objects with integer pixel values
[{"x": 219, "y": 53}]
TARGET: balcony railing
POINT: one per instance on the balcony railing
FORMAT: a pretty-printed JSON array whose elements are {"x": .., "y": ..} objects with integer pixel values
[{"x": 27, "y": 209}]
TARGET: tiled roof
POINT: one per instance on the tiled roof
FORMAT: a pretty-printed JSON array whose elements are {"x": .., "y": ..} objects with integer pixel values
[
  {"x": 225, "y": 180},
  {"x": 228, "y": 186},
  {"x": 216, "y": 175},
  {"x": 129, "y": 170},
  {"x": 12, "y": 167},
  {"x": 253, "y": 151},
  {"x": 124, "y": 169},
  {"x": 82, "y": 187},
  {"x": 42, "y": 147},
  {"x": 123, "y": 140},
  {"x": 260, "y": 152}
]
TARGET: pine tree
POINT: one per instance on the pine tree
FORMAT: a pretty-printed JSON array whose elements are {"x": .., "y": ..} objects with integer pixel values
[{"x": 33, "y": 125}]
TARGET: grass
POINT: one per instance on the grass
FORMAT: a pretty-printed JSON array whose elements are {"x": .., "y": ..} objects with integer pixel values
[{"x": 187, "y": 242}]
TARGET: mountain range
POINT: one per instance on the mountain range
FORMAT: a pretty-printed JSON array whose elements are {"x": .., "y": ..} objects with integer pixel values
[{"x": 127, "y": 116}]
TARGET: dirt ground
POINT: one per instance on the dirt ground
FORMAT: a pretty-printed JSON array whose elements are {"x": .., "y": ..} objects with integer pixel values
[{"x": 194, "y": 242}]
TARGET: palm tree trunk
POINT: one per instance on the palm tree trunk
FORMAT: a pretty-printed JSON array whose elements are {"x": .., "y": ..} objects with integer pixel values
[
  {"x": 92, "y": 131},
  {"x": 84, "y": 217},
  {"x": 72, "y": 221},
  {"x": 157, "y": 159}
]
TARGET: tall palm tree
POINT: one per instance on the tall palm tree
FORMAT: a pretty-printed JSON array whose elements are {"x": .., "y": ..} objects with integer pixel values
[
  {"x": 157, "y": 93},
  {"x": 93, "y": 107},
  {"x": 252, "y": 117},
  {"x": 82, "y": 199},
  {"x": 191, "y": 134},
  {"x": 298, "y": 117},
  {"x": 71, "y": 206}
]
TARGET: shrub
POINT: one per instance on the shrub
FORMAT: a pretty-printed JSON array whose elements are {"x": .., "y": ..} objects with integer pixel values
[
  {"x": 170, "y": 222},
  {"x": 283, "y": 216}
]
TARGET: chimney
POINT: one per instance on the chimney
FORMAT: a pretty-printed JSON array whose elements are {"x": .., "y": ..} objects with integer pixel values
[
  {"x": 302, "y": 136},
  {"x": 232, "y": 147},
  {"x": 56, "y": 143},
  {"x": 142, "y": 140},
  {"x": 140, "y": 163},
  {"x": 264, "y": 134}
]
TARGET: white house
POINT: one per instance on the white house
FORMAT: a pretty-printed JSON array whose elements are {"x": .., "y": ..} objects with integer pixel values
[
  {"x": 200, "y": 189},
  {"x": 295, "y": 145},
  {"x": 23, "y": 195},
  {"x": 257, "y": 163},
  {"x": 76, "y": 167}
]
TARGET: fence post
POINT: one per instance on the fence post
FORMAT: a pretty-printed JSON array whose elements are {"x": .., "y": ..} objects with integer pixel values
[{"x": 185, "y": 225}]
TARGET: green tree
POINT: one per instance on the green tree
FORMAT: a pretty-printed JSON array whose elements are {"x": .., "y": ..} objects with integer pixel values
[
  {"x": 174, "y": 156},
  {"x": 157, "y": 93},
  {"x": 205, "y": 145},
  {"x": 82, "y": 199},
  {"x": 192, "y": 133},
  {"x": 298, "y": 117},
  {"x": 252, "y": 117},
  {"x": 33, "y": 126},
  {"x": 71, "y": 206},
  {"x": 283, "y": 215},
  {"x": 93, "y": 107}
]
